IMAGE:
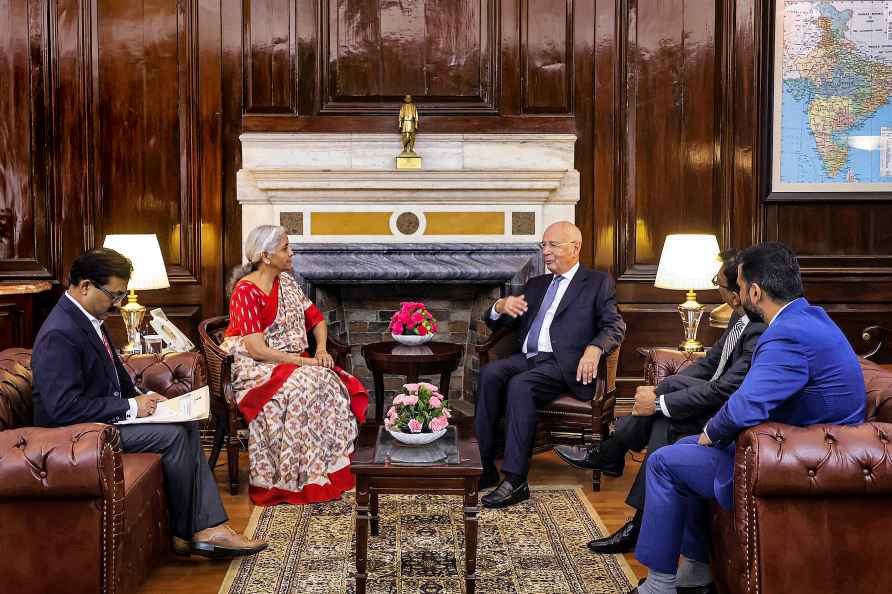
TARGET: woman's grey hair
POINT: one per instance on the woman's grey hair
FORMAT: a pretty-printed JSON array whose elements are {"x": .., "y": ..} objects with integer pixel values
[{"x": 263, "y": 238}]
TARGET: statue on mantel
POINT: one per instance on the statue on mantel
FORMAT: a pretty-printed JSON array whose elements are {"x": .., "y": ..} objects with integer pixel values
[{"x": 408, "y": 126}]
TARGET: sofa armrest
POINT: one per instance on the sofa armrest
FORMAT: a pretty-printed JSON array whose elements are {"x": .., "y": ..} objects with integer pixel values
[
  {"x": 774, "y": 459},
  {"x": 76, "y": 461},
  {"x": 169, "y": 374},
  {"x": 661, "y": 363}
]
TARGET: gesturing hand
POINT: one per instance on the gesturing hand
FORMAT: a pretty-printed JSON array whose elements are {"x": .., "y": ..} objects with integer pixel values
[
  {"x": 588, "y": 365},
  {"x": 513, "y": 306},
  {"x": 145, "y": 404}
]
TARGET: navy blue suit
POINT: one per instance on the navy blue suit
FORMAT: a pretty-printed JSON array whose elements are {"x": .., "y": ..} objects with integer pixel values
[
  {"x": 76, "y": 381},
  {"x": 517, "y": 386},
  {"x": 804, "y": 372}
]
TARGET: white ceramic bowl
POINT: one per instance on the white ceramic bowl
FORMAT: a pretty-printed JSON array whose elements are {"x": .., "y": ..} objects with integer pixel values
[
  {"x": 417, "y": 438},
  {"x": 412, "y": 339}
]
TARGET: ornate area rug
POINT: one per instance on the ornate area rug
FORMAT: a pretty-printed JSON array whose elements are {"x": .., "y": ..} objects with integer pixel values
[{"x": 534, "y": 547}]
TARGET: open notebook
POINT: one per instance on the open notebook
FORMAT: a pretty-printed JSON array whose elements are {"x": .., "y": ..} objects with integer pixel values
[{"x": 193, "y": 406}]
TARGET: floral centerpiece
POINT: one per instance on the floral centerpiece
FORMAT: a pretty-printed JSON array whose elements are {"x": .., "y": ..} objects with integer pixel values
[
  {"x": 413, "y": 324},
  {"x": 421, "y": 415}
]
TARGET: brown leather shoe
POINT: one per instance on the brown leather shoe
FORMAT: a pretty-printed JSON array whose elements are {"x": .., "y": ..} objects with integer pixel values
[
  {"x": 181, "y": 548},
  {"x": 224, "y": 542}
]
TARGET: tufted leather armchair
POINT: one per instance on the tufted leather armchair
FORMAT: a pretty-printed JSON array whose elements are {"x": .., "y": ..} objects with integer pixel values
[
  {"x": 566, "y": 420},
  {"x": 76, "y": 514},
  {"x": 810, "y": 503}
]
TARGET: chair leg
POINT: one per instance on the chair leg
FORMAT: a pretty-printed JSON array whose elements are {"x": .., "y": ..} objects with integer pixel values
[
  {"x": 596, "y": 480},
  {"x": 232, "y": 449},
  {"x": 219, "y": 436}
]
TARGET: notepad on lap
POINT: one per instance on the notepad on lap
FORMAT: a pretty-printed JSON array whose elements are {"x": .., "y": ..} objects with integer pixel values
[{"x": 194, "y": 406}]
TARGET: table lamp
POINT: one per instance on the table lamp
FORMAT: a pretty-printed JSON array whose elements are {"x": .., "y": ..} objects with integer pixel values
[
  {"x": 148, "y": 273},
  {"x": 689, "y": 263}
]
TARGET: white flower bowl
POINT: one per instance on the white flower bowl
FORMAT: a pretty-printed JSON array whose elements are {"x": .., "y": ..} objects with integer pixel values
[
  {"x": 412, "y": 339},
  {"x": 416, "y": 438}
]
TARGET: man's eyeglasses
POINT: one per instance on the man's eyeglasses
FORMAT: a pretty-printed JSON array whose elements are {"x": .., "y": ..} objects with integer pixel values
[
  {"x": 553, "y": 244},
  {"x": 715, "y": 281},
  {"x": 115, "y": 297}
]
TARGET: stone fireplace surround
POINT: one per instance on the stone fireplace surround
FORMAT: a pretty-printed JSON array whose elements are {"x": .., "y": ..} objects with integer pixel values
[{"x": 455, "y": 235}]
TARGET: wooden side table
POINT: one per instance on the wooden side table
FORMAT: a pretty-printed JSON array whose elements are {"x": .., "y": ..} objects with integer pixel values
[
  {"x": 383, "y": 478},
  {"x": 444, "y": 359}
]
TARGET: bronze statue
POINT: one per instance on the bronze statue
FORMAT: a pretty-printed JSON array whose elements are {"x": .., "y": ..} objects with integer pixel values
[{"x": 408, "y": 126}]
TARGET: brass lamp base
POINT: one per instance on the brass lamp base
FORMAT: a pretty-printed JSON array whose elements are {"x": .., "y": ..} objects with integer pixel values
[
  {"x": 690, "y": 312},
  {"x": 132, "y": 314}
]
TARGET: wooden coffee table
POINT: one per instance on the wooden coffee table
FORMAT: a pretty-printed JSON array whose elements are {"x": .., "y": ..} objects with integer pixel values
[
  {"x": 383, "y": 478},
  {"x": 442, "y": 359}
]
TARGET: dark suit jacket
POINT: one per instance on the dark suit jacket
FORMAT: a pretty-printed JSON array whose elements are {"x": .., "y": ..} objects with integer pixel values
[
  {"x": 74, "y": 378},
  {"x": 696, "y": 402},
  {"x": 586, "y": 315}
]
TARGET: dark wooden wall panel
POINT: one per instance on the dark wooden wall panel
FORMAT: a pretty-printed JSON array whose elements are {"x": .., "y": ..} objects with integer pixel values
[
  {"x": 547, "y": 55},
  {"x": 839, "y": 229},
  {"x": 269, "y": 52}
]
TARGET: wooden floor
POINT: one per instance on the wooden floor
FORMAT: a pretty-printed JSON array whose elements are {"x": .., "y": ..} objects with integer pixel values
[{"x": 200, "y": 576}]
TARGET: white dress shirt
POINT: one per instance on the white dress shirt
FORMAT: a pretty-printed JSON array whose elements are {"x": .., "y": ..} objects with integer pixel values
[
  {"x": 544, "y": 345},
  {"x": 97, "y": 325}
]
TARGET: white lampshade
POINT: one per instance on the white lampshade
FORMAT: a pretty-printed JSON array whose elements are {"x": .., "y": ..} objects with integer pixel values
[
  {"x": 145, "y": 254},
  {"x": 688, "y": 262}
]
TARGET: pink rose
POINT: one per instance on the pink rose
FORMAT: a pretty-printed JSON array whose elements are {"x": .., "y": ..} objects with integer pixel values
[
  {"x": 422, "y": 331},
  {"x": 415, "y": 426},
  {"x": 399, "y": 399},
  {"x": 410, "y": 400},
  {"x": 412, "y": 388},
  {"x": 417, "y": 318},
  {"x": 436, "y": 402},
  {"x": 397, "y": 328},
  {"x": 388, "y": 423},
  {"x": 446, "y": 413},
  {"x": 438, "y": 423},
  {"x": 433, "y": 389},
  {"x": 392, "y": 412},
  {"x": 403, "y": 317}
]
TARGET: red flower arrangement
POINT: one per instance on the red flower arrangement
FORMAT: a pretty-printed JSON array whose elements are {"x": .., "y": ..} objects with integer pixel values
[{"x": 413, "y": 319}]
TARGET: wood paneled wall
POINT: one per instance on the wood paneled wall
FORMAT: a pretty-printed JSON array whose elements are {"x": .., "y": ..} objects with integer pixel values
[{"x": 125, "y": 116}]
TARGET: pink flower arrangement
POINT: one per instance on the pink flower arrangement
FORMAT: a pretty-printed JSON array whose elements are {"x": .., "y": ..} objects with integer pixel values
[
  {"x": 420, "y": 410},
  {"x": 413, "y": 319}
]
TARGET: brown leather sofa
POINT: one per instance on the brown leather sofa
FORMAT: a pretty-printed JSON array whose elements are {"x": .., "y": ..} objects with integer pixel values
[
  {"x": 77, "y": 516},
  {"x": 811, "y": 504}
]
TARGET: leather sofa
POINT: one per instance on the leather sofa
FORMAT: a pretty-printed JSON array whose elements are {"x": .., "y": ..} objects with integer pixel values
[
  {"x": 78, "y": 516},
  {"x": 811, "y": 504}
]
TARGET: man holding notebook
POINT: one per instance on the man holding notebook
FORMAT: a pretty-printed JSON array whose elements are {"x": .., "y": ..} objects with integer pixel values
[{"x": 78, "y": 378}]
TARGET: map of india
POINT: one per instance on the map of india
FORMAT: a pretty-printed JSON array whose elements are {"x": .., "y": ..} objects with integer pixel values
[{"x": 833, "y": 123}]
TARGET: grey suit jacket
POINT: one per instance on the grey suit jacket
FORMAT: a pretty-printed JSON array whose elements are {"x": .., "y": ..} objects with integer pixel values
[{"x": 691, "y": 398}]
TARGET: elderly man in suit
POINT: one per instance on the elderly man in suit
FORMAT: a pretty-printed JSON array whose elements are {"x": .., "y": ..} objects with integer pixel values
[
  {"x": 675, "y": 408},
  {"x": 804, "y": 372},
  {"x": 567, "y": 320},
  {"x": 78, "y": 378}
]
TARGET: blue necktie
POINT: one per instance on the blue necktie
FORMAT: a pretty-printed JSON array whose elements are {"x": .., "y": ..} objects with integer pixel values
[{"x": 536, "y": 327}]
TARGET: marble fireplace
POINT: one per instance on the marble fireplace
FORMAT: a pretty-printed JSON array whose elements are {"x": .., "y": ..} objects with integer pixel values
[{"x": 456, "y": 234}]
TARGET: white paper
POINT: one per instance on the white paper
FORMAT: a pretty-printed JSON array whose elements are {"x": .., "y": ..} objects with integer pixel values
[
  {"x": 194, "y": 406},
  {"x": 885, "y": 152}
]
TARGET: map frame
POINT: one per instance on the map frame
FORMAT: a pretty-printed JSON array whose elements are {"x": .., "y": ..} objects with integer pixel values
[{"x": 782, "y": 191}]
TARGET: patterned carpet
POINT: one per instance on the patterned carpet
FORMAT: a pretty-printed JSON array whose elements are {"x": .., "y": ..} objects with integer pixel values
[{"x": 533, "y": 547}]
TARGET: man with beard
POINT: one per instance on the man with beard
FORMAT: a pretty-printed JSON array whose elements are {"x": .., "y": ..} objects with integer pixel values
[
  {"x": 804, "y": 372},
  {"x": 675, "y": 408},
  {"x": 78, "y": 378}
]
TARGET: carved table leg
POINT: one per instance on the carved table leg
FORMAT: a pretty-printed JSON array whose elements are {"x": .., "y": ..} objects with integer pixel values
[
  {"x": 378, "y": 377},
  {"x": 373, "y": 508},
  {"x": 471, "y": 510},
  {"x": 362, "y": 532}
]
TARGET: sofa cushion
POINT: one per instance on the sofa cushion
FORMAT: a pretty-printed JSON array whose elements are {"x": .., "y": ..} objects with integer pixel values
[
  {"x": 878, "y": 382},
  {"x": 16, "y": 409}
]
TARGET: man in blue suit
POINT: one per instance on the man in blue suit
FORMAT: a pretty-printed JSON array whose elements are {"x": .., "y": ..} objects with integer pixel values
[
  {"x": 78, "y": 378},
  {"x": 566, "y": 321},
  {"x": 804, "y": 372}
]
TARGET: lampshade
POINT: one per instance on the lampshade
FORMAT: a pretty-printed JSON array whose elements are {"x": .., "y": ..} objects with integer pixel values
[
  {"x": 688, "y": 262},
  {"x": 145, "y": 254}
]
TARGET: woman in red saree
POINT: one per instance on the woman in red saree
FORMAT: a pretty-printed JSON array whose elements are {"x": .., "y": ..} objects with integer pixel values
[{"x": 303, "y": 412}]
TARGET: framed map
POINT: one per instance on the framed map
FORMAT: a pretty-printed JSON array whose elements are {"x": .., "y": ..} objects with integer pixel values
[{"x": 832, "y": 96}]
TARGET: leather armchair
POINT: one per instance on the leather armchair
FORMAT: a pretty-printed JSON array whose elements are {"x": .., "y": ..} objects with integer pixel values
[
  {"x": 810, "y": 503},
  {"x": 566, "y": 420},
  {"x": 76, "y": 514}
]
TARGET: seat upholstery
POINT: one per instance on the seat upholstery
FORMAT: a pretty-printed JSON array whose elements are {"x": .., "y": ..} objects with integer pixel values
[
  {"x": 809, "y": 502},
  {"x": 567, "y": 420},
  {"x": 77, "y": 514}
]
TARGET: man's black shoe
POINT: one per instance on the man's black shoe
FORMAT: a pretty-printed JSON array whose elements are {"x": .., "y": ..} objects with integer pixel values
[
  {"x": 489, "y": 479},
  {"x": 621, "y": 541},
  {"x": 506, "y": 494},
  {"x": 589, "y": 459}
]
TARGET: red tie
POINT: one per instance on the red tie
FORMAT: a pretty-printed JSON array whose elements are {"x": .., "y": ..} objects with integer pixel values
[{"x": 107, "y": 346}]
